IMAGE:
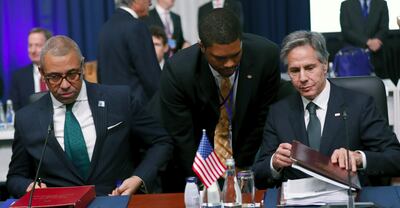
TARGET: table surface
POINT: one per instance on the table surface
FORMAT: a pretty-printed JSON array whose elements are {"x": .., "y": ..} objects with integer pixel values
[
  {"x": 384, "y": 196},
  {"x": 172, "y": 200}
]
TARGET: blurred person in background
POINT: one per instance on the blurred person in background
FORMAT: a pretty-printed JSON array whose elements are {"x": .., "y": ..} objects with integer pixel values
[
  {"x": 27, "y": 80},
  {"x": 126, "y": 54}
]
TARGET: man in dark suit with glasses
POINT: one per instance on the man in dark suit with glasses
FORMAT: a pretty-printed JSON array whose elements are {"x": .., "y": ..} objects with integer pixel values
[{"x": 93, "y": 132}]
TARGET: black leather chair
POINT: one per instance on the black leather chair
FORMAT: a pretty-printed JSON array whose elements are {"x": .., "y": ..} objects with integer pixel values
[
  {"x": 36, "y": 96},
  {"x": 369, "y": 85}
]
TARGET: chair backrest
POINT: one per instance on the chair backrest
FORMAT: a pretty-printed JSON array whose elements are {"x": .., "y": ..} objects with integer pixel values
[
  {"x": 35, "y": 97},
  {"x": 91, "y": 71},
  {"x": 369, "y": 85}
]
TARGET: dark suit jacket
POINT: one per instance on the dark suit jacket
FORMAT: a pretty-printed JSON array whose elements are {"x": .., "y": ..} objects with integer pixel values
[
  {"x": 234, "y": 5},
  {"x": 190, "y": 102},
  {"x": 126, "y": 55},
  {"x": 155, "y": 19},
  {"x": 367, "y": 129},
  {"x": 115, "y": 153},
  {"x": 22, "y": 86},
  {"x": 355, "y": 30}
]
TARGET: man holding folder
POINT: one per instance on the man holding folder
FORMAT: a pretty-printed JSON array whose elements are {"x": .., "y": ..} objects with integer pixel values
[{"x": 314, "y": 116}]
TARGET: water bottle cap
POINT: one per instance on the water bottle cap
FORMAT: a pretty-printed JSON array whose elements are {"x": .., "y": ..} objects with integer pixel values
[
  {"x": 230, "y": 162},
  {"x": 191, "y": 179},
  {"x": 9, "y": 101}
]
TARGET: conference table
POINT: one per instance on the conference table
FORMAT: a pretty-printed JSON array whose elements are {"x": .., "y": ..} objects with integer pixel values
[
  {"x": 381, "y": 196},
  {"x": 172, "y": 200}
]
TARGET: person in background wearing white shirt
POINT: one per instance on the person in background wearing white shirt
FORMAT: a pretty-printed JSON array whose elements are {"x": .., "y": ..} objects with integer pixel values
[
  {"x": 27, "y": 80},
  {"x": 374, "y": 148},
  {"x": 163, "y": 17}
]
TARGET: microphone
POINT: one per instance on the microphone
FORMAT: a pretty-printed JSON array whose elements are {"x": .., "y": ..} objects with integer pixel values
[
  {"x": 349, "y": 193},
  {"x": 49, "y": 130}
]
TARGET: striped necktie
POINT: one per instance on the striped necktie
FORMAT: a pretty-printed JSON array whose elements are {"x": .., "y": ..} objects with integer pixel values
[{"x": 222, "y": 143}]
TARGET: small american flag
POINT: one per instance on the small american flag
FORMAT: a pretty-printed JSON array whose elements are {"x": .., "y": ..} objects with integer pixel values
[{"x": 207, "y": 166}]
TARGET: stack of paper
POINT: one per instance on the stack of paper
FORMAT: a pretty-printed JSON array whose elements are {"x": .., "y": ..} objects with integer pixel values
[{"x": 311, "y": 191}]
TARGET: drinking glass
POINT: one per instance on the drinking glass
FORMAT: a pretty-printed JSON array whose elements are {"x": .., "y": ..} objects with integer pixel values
[
  {"x": 398, "y": 21},
  {"x": 246, "y": 184}
]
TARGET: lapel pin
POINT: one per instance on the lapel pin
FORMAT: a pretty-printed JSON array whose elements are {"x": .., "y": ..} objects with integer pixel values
[
  {"x": 249, "y": 76},
  {"x": 101, "y": 104},
  {"x": 337, "y": 114}
]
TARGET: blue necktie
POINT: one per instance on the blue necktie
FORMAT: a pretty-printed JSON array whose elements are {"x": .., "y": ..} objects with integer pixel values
[
  {"x": 313, "y": 127},
  {"x": 75, "y": 145},
  {"x": 365, "y": 9}
]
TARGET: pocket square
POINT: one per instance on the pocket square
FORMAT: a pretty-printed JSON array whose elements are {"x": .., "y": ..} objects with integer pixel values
[{"x": 115, "y": 125}]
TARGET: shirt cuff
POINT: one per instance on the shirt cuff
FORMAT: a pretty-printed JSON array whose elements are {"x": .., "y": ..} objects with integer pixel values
[
  {"x": 142, "y": 187},
  {"x": 275, "y": 174},
  {"x": 364, "y": 160}
]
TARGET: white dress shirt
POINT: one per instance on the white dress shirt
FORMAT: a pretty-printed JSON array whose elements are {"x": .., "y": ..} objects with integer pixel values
[
  {"x": 218, "y": 3},
  {"x": 368, "y": 4},
  {"x": 165, "y": 18},
  {"x": 36, "y": 78},
  {"x": 83, "y": 114},
  {"x": 130, "y": 11},
  {"x": 218, "y": 78}
]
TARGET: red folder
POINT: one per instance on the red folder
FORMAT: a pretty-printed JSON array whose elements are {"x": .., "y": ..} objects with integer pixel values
[
  {"x": 75, "y": 196},
  {"x": 314, "y": 162}
]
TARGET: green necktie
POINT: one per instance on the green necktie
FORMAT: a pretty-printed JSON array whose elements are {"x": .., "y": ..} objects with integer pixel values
[
  {"x": 75, "y": 145},
  {"x": 314, "y": 127}
]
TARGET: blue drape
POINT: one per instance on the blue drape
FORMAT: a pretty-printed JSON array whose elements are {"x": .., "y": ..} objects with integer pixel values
[
  {"x": 274, "y": 19},
  {"x": 79, "y": 19}
]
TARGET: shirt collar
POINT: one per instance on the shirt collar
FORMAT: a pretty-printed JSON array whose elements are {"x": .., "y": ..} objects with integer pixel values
[
  {"x": 36, "y": 69},
  {"x": 362, "y": 2},
  {"x": 161, "y": 10},
  {"x": 321, "y": 100},
  {"x": 81, "y": 97},
  {"x": 214, "y": 3},
  {"x": 130, "y": 11},
  {"x": 218, "y": 77}
]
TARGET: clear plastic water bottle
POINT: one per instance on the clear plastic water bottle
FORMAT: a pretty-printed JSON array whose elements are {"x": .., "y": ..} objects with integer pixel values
[
  {"x": 231, "y": 195},
  {"x": 2, "y": 117},
  {"x": 211, "y": 196},
  {"x": 10, "y": 114},
  {"x": 192, "y": 196}
]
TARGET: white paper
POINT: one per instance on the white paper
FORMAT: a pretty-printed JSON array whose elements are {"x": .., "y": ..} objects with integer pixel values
[
  {"x": 312, "y": 191},
  {"x": 321, "y": 177}
]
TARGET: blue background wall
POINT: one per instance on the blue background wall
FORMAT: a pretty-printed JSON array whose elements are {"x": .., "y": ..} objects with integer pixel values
[
  {"x": 79, "y": 19},
  {"x": 82, "y": 19}
]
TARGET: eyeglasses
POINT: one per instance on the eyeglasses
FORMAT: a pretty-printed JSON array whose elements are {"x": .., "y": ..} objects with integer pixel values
[{"x": 56, "y": 78}]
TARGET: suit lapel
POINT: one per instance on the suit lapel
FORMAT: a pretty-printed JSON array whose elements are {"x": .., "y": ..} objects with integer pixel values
[
  {"x": 174, "y": 19},
  {"x": 98, "y": 106},
  {"x": 373, "y": 9},
  {"x": 157, "y": 18},
  {"x": 246, "y": 87},
  {"x": 296, "y": 118},
  {"x": 31, "y": 82},
  {"x": 357, "y": 9},
  {"x": 333, "y": 120},
  {"x": 208, "y": 90}
]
